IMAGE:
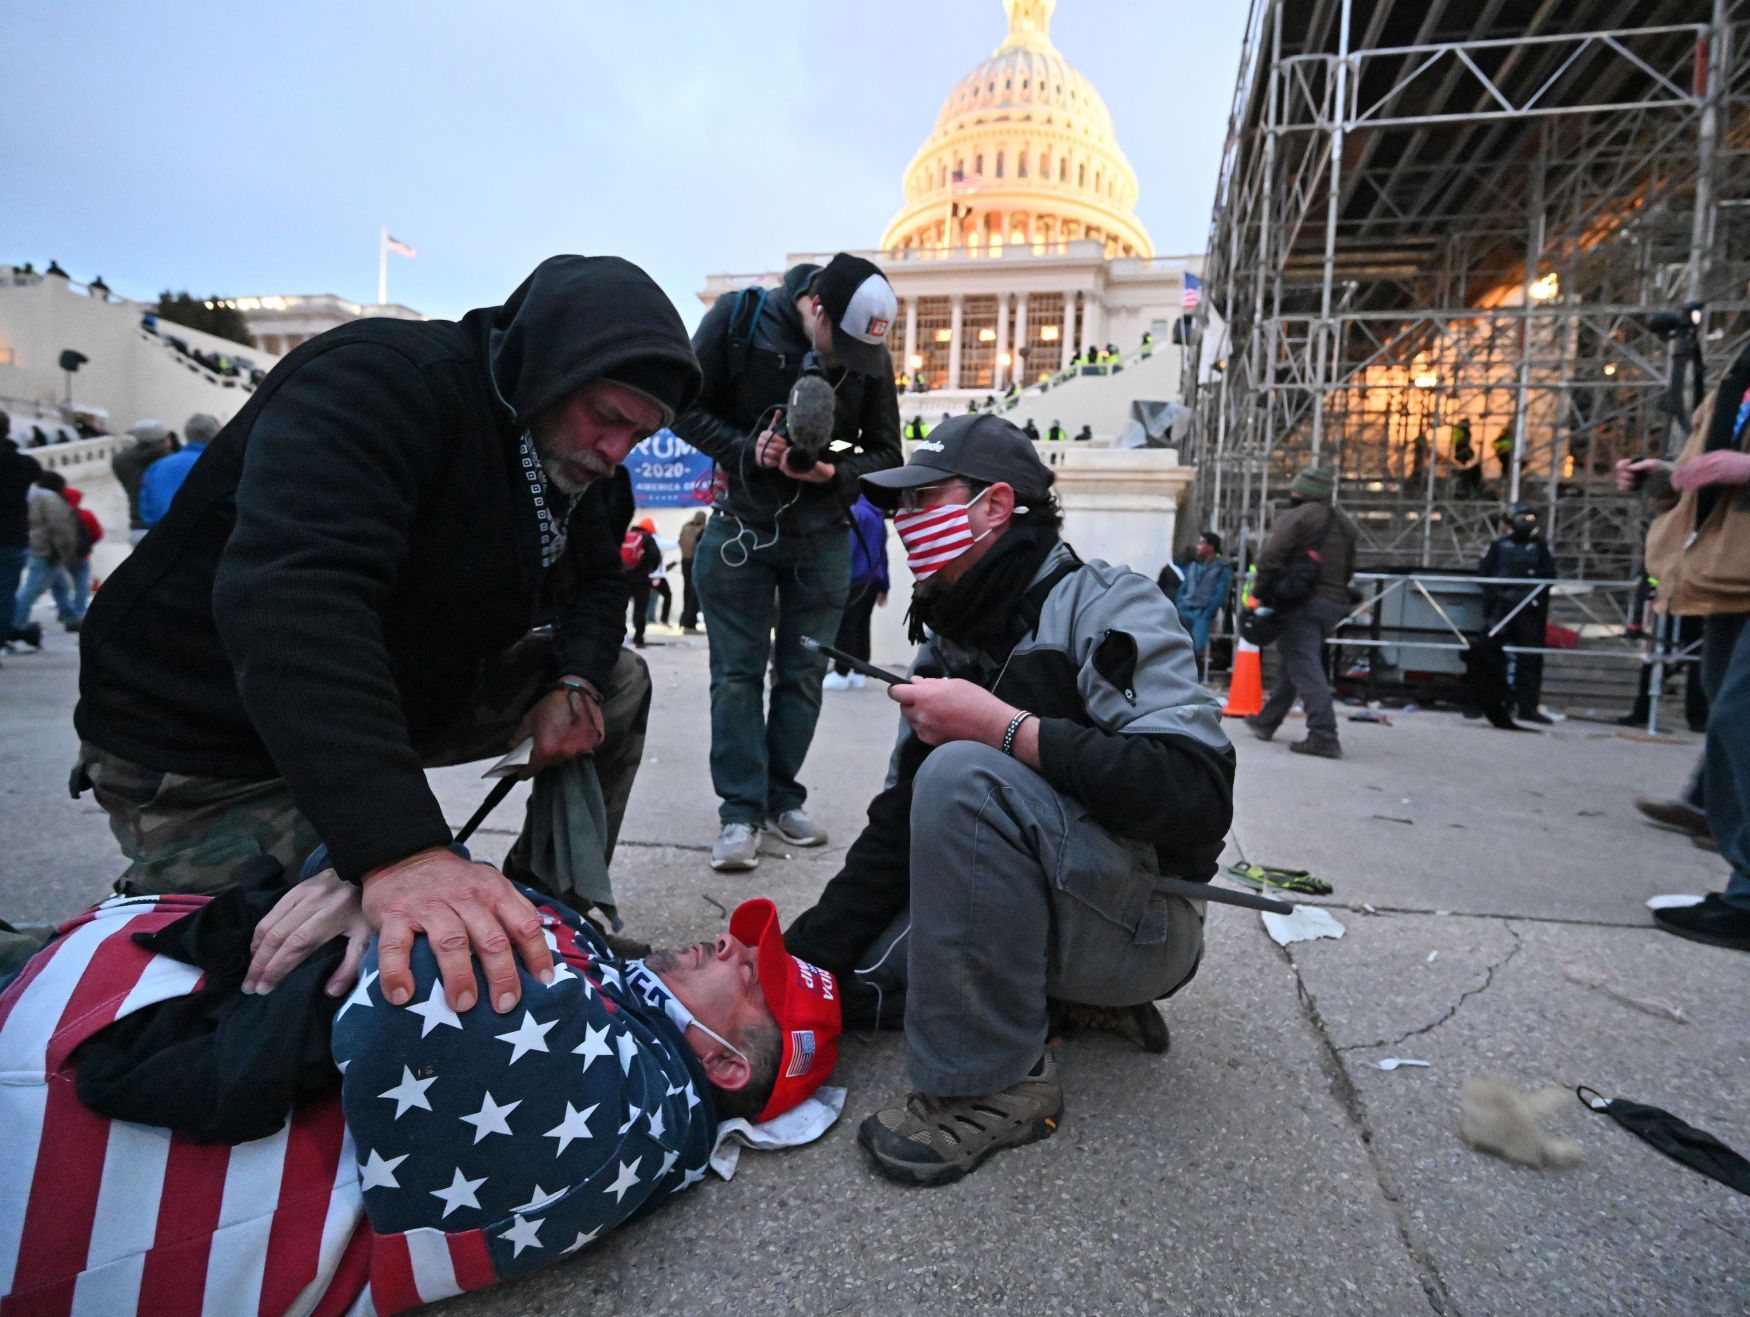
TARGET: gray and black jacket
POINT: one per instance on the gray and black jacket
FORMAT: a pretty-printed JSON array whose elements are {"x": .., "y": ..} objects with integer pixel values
[{"x": 1125, "y": 729}]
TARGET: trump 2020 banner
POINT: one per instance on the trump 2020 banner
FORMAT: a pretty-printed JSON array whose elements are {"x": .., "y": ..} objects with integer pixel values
[{"x": 668, "y": 472}]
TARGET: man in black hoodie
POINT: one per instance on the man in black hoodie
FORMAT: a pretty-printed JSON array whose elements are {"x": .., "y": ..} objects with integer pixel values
[
  {"x": 328, "y": 606},
  {"x": 780, "y": 533}
]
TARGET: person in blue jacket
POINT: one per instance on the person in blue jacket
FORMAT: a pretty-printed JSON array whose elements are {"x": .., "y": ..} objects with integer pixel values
[
  {"x": 165, "y": 476},
  {"x": 1204, "y": 591},
  {"x": 869, "y": 587}
]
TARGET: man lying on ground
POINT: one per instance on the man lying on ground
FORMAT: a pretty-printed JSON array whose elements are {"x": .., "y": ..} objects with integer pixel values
[
  {"x": 461, "y": 1148},
  {"x": 1060, "y": 758}
]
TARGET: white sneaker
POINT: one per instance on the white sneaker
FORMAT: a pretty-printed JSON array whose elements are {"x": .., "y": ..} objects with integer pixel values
[
  {"x": 798, "y": 829},
  {"x": 834, "y": 681},
  {"x": 737, "y": 848},
  {"x": 857, "y": 680}
]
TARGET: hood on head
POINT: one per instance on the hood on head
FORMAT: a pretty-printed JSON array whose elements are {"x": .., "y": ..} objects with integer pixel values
[{"x": 583, "y": 318}]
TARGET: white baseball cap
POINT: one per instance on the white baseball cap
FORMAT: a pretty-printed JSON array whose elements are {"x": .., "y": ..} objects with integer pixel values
[{"x": 862, "y": 307}]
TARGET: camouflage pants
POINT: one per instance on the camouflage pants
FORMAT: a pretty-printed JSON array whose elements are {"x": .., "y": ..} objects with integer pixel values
[{"x": 182, "y": 833}]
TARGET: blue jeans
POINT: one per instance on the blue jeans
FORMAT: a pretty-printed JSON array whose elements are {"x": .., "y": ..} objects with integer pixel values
[
  {"x": 69, "y": 585},
  {"x": 796, "y": 587},
  {"x": 1198, "y": 621},
  {"x": 12, "y": 560},
  {"x": 1725, "y": 672}
]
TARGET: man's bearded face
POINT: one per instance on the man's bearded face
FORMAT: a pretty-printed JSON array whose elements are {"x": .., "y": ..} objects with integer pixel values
[{"x": 588, "y": 434}]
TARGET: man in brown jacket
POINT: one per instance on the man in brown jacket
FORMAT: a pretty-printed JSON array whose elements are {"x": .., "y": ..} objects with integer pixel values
[
  {"x": 1698, "y": 550},
  {"x": 1312, "y": 525}
]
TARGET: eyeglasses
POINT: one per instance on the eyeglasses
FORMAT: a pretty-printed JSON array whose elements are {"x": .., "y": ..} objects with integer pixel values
[{"x": 928, "y": 496}]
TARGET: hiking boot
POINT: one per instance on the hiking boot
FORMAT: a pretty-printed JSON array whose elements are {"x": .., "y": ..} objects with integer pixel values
[
  {"x": 932, "y": 1141},
  {"x": 1677, "y": 814},
  {"x": 1710, "y": 920},
  {"x": 737, "y": 848},
  {"x": 1141, "y": 1024},
  {"x": 1260, "y": 731},
  {"x": 1325, "y": 747},
  {"x": 795, "y": 827}
]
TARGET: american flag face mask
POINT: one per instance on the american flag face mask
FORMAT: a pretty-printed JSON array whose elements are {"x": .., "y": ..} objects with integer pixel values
[{"x": 935, "y": 537}]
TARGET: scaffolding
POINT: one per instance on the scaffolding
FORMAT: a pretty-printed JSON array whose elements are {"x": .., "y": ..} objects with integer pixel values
[{"x": 1442, "y": 230}]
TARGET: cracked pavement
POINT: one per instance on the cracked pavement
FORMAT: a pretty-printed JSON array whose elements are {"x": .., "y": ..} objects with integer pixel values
[{"x": 1265, "y": 1165}]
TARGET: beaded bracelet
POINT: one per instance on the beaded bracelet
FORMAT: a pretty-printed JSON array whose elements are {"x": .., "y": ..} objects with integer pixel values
[{"x": 1014, "y": 727}]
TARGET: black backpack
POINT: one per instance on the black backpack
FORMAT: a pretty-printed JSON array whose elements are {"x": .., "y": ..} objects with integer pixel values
[
  {"x": 750, "y": 304},
  {"x": 1299, "y": 580}
]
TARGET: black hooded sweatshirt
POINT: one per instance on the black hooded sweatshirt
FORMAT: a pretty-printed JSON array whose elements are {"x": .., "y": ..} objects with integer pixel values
[{"x": 360, "y": 538}]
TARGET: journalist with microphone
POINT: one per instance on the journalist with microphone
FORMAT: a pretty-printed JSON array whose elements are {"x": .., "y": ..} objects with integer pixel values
[{"x": 798, "y": 404}]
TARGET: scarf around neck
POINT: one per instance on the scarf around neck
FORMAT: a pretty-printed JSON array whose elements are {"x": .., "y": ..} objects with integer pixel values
[{"x": 979, "y": 608}]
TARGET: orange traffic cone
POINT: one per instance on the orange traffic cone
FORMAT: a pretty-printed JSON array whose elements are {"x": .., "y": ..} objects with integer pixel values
[{"x": 1245, "y": 688}]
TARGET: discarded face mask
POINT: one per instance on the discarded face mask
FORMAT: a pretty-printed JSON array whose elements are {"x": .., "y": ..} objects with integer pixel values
[
  {"x": 1497, "y": 1118},
  {"x": 1677, "y": 1139}
]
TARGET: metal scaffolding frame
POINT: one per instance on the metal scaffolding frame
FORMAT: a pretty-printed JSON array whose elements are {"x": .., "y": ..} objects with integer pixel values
[{"x": 1440, "y": 229}]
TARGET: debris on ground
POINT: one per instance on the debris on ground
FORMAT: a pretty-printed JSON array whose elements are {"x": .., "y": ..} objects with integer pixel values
[
  {"x": 1306, "y": 923},
  {"x": 1395, "y": 1062},
  {"x": 1393, "y": 818},
  {"x": 1370, "y": 716},
  {"x": 1497, "y": 1118},
  {"x": 1676, "y": 1138},
  {"x": 1281, "y": 880},
  {"x": 1589, "y": 977}
]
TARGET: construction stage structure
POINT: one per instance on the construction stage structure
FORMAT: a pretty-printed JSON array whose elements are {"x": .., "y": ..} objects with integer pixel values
[{"x": 1444, "y": 235}]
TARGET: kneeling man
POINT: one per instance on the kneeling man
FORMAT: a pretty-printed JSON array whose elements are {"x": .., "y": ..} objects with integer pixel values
[
  {"x": 1060, "y": 758},
  {"x": 462, "y": 1148}
]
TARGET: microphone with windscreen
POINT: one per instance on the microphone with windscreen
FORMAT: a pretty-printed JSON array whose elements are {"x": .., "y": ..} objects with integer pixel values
[{"x": 808, "y": 416}]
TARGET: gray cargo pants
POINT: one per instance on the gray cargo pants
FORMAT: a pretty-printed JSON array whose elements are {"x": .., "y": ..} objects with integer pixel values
[{"x": 1016, "y": 895}]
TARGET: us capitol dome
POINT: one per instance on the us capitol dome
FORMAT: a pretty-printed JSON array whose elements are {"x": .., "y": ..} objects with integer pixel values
[{"x": 1023, "y": 152}]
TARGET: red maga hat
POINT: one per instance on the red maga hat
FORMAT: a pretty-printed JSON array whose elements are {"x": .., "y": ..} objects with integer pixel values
[{"x": 803, "y": 998}]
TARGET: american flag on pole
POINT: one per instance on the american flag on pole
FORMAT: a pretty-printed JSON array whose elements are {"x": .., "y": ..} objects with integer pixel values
[
  {"x": 1193, "y": 292},
  {"x": 395, "y": 245},
  {"x": 463, "y": 1148}
]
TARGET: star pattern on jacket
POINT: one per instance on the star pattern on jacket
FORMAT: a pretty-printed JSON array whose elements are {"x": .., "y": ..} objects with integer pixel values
[{"x": 542, "y": 1129}]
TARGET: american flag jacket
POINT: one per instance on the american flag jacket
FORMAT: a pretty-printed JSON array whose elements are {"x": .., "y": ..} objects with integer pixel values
[{"x": 462, "y": 1149}]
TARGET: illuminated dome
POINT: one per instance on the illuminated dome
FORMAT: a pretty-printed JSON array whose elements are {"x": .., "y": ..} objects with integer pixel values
[{"x": 1023, "y": 152}]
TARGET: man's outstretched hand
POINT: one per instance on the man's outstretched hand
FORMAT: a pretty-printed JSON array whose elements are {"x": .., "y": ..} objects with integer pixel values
[{"x": 464, "y": 909}]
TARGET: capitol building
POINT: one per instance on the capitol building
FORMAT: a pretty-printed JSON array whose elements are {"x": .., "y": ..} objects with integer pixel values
[{"x": 1017, "y": 244}]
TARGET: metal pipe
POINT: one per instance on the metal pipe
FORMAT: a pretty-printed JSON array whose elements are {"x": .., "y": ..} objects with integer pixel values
[
  {"x": 1340, "y": 106},
  {"x": 1700, "y": 235}
]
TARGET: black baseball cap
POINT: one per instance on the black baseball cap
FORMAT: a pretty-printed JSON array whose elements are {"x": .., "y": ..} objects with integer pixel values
[
  {"x": 982, "y": 447},
  {"x": 861, "y": 305}
]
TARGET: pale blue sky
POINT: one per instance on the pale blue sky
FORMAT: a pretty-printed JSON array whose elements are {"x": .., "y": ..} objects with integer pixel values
[{"x": 246, "y": 147}]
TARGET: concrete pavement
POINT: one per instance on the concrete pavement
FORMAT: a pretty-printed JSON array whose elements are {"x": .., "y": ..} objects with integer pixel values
[{"x": 1265, "y": 1165}]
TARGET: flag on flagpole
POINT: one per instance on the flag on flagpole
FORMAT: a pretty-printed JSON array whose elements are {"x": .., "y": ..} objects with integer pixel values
[
  {"x": 395, "y": 244},
  {"x": 1193, "y": 292}
]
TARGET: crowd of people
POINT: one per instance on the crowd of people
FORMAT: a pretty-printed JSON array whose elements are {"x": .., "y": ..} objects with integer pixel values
[
  {"x": 267, "y": 675},
  {"x": 222, "y": 364}
]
